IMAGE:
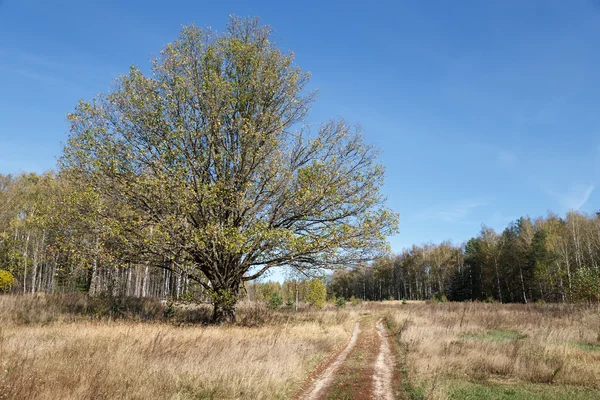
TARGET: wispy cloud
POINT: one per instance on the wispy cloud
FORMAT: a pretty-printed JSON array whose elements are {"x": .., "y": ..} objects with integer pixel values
[
  {"x": 506, "y": 159},
  {"x": 573, "y": 198},
  {"x": 457, "y": 212}
]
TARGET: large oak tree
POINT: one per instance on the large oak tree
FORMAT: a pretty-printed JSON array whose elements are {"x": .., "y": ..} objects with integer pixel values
[{"x": 215, "y": 172}]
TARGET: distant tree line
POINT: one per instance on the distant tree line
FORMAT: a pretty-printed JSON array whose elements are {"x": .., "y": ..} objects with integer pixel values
[
  {"x": 289, "y": 293},
  {"x": 549, "y": 259},
  {"x": 51, "y": 240}
]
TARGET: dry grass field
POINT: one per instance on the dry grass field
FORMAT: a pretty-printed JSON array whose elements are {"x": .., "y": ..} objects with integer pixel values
[
  {"x": 470, "y": 350},
  {"x": 75, "y": 348},
  {"x": 77, "y": 358}
]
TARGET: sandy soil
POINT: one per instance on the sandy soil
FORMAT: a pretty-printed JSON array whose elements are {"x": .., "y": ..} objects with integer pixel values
[{"x": 382, "y": 379}]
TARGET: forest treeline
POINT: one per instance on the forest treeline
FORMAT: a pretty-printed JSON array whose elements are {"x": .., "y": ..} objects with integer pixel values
[
  {"x": 51, "y": 242},
  {"x": 549, "y": 259}
]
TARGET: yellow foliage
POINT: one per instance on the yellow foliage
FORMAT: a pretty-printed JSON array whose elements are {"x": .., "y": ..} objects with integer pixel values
[
  {"x": 317, "y": 293},
  {"x": 6, "y": 280}
]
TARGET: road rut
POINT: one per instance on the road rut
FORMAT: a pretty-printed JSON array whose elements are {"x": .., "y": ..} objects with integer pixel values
[
  {"x": 327, "y": 377},
  {"x": 382, "y": 379}
]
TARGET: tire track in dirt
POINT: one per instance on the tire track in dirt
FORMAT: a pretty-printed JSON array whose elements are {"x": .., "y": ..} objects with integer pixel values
[
  {"x": 384, "y": 366},
  {"x": 327, "y": 376}
]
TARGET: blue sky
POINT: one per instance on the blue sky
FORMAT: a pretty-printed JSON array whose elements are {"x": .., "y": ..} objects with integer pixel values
[{"x": 484, "y": 110}]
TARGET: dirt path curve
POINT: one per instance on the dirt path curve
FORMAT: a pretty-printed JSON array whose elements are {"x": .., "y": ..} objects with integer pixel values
[
  {"x": 327, "y": 376},
  {"x": 382, "y": 378}
]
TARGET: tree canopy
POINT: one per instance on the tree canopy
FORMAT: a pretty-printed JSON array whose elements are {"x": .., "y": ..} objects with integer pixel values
[{"x": 207, "y": 168}]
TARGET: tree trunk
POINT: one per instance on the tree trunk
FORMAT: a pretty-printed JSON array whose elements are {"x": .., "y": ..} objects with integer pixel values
[
  {"x": 224, "y": 301},
  {"x": 223, "y": 313},
  {"x": 34, "y": 271},
  {"x": 25, "y": 264},
  {"x": 296, "y": 302},
  {"x": 129, "y": 280},
  {"x": 145, "y": 283},
  {"x": 94, "y": 281},
  {"x": 498, "y": 283},
  {"x": 522, "y": 284},
  {"x": 178, "y": 290},
  {"x": 138, "y": 275}
]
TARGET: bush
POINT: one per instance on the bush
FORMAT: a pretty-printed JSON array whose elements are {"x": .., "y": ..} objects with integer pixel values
[
  {"x": 340, "y": 302},
  {"x": 289, "y": 302},
  {"x": 439, "y": 297},
  {"x": 317, "y": 293},
  {"x": 275, "y": 301},
  {"x": 6, "y": 280},
  {"x": 355, "y": 301},
  {"x": 587, "y": 285}
]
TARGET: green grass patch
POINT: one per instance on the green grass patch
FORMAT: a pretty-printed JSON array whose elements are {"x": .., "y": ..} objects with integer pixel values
[
  {"x": 495, "y": 335},
  {"x": 587, "y": 346},
  {"x": 404, "y": 389},
  {"x": 350, "y": 377},
  {"x": 473, "y": 391},
  {"x": 581, "y": 345},
  {"x": 342, "y": 388}
]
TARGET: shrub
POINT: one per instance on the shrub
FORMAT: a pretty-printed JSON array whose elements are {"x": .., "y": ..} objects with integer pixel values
[
  {"x": 439, "y": 297},
  {"x": 355, "y": 301},
  {"x": 317, "y": 293},
  {"x": 6, "y": 280},
  {"x": 289, "y": 302},
  {"x": 587, "y": 285},
  {"x": 340, "y": 302},
  {"x": 275, "y": 301},
  {"x": 169, "y": 309}
]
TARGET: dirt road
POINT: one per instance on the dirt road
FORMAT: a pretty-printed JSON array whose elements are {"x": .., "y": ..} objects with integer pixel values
[
  {"x": 363, "y": 370},
  {"x": 325, "y": 379},
  {"x": 384, "y": 366}
]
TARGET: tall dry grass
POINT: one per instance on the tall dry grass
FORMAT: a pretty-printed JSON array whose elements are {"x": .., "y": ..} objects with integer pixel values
[
  {"x": 548, "y": 343},
  {"x": 50, "y": 351}
]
